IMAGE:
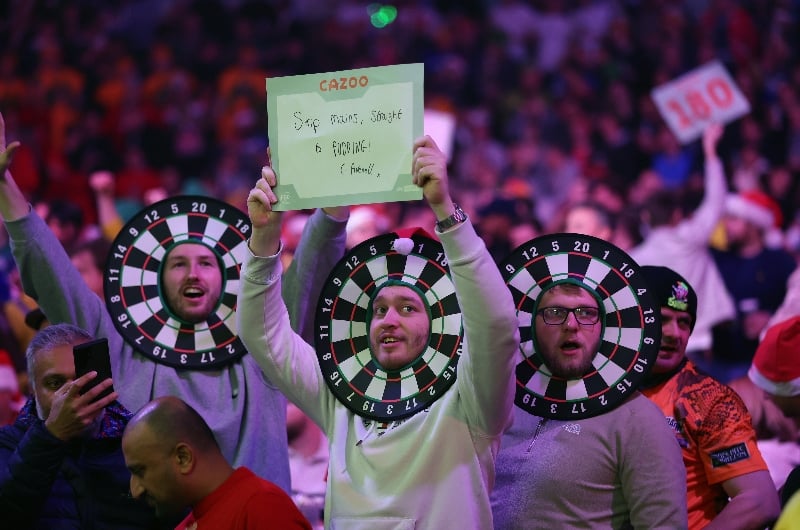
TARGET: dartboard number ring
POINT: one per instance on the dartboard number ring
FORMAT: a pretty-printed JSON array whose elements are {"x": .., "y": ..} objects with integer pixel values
[
  {"x": 342, "y": 336},
  {"x": 631, "y": 332},
  {"x": 133, "y": 290}
]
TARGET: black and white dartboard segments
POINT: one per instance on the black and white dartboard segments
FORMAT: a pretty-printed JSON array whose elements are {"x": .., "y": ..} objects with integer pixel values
[
  {"x": 631, "y": 327},
  {"x": 342, "y": 338},
  {"x": 133, "y": 294}
]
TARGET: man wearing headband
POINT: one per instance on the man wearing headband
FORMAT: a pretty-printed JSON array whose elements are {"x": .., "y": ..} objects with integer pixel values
[
  {"x": 728, "y": 484},
  {"x": 246, "y": 413},
  {"x": 434, "y": 468},
  {"x": 618, "y": 469}
]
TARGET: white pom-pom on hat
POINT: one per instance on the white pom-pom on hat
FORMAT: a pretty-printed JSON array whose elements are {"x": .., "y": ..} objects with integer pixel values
[{"x": 404, "y": 245}]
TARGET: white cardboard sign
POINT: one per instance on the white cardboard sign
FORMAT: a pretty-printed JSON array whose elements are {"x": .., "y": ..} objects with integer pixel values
[{"x": 702, "y": 96}]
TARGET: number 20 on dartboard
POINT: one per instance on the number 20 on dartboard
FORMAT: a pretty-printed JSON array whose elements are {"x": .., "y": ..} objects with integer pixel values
[{"x": 704, "y": 95}]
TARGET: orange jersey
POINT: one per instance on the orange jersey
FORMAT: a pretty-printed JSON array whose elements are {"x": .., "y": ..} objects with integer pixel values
[{"x": 716, "y": 435}]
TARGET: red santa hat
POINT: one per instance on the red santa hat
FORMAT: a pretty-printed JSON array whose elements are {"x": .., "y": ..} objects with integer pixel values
[
  {"x": 776, "y": 364},
  {"x": 8, "y": 376},
  {"x": 756, "y": 207}
]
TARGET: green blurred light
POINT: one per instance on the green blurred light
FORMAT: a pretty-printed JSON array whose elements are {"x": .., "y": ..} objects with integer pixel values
[{"x": 381, "y": 15}]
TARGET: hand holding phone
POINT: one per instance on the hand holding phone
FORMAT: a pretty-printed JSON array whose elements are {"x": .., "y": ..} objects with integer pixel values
[{"x": 93, "y": 356}]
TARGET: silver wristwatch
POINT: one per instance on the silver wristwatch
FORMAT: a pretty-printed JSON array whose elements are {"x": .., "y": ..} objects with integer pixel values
[{"x": 458, "y": 216}]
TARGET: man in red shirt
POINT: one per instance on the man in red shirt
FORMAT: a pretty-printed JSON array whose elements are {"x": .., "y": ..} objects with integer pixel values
[
  {"x": 175, "y": 463},
  {"x": 728, "y": 484}
]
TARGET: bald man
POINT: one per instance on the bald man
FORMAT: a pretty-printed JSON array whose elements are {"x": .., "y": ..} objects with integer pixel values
[{"x": 176, "y": 463}]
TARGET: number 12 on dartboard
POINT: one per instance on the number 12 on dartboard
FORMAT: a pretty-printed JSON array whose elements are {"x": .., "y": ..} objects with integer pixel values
[{"x": 704, "y": 95}]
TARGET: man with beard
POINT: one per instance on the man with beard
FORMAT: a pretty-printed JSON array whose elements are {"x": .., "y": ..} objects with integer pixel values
[
  {"x": 728, "y": 483},
  {"x": 617, "y": 469},
  {"x": 434, "y": 467},
  {"x": 238, "y": 403},
  {"x": 176, "y": 463},
  {"x": 191, "y": 280},
  {"x": 61, "y": 463}
]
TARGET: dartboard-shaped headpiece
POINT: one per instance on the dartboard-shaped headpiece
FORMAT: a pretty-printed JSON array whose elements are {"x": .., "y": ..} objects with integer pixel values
[
  {"x": 344, "y": 313},
  {"x": 630, "y": 319},
  {"x": 139, "y": 288}
]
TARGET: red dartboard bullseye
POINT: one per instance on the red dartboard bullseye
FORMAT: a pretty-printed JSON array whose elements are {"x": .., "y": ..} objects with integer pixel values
[
  {"x": 631, "y": 334},
  {"x": 133, "y": 288},
  {"x": 342, "y": 335}
]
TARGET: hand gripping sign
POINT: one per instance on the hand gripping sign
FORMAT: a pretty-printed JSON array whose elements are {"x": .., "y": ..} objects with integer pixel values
[
  {"x": 341, "y": 138},
  {"x": 705, "y": 95}
]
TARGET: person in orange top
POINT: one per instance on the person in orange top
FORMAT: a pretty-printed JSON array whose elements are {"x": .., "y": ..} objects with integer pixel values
[{"x": 728, "y": 483}]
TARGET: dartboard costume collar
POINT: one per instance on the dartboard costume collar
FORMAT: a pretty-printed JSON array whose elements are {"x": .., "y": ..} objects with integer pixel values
[
  {"x": 134, "y": 296},
  {"x": 411, "y": 258},
  {"x": 631, "y": 324}
]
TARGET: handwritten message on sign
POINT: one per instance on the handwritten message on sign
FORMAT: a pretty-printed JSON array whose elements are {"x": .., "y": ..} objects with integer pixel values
[
  {"x": 694, "y": 100},
  {"x": 342, "y": 138}
]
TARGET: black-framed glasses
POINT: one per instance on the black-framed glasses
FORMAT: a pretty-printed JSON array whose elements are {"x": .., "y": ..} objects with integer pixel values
[{"x": 557, "y": 315}]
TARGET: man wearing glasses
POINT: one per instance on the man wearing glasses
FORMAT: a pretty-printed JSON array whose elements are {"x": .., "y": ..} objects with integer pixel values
[{"x": 618, "y": 469}]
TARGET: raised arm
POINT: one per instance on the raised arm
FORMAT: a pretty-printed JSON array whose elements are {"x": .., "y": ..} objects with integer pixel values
[
  {"x": 486, "y": 369},
  {"x": 321, "y": 246},
  {"x": 47, "y": 273},
  {"x": 262, "y": 317},
  {"x": 703, "y": 221},
  {"x": 13, "y": 204},
  {"x": 102, "y": 184}
]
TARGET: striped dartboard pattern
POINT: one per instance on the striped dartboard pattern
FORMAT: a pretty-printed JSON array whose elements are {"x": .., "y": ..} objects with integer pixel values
[
  {"x": 342, "y": 337},
  {"x": 133, "y": 292},
  {"x": 631, "y": 333}
]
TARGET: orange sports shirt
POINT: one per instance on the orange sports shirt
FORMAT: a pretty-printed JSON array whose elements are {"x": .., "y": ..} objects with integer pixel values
[{"x": 716, "y": 435}]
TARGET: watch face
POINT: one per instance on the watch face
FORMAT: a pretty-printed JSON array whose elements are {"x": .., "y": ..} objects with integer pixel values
[
  {"x": 631, "y": 320},
  {"x": 342, "y": 328},
  {"x": 181, "y": 319}
]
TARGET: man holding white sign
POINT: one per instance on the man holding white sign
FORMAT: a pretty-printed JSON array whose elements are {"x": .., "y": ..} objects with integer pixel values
[{"x": 411, "y": 470}]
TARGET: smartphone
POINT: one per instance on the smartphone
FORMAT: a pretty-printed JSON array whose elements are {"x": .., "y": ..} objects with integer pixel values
[{"x": 89, "y": 356}]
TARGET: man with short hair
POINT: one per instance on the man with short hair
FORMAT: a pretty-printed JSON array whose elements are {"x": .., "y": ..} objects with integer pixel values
[
  {"x": 728, "y": 483},
  {"x": 433, "y": 468},
  {"x": 176, "y": 463},
  {"x": 61, "y": 463},
  {"x": 192, "y": 280},
  {"x": 245, "y": 411},
  {"x": 618, "y": 469}
]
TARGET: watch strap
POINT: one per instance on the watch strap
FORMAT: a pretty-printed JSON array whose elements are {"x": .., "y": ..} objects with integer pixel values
[{"x": 457, "y": 217}]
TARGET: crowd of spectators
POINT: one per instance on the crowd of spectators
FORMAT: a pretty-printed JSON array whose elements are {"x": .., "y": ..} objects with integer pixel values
[{"x": 551, "y": 98}]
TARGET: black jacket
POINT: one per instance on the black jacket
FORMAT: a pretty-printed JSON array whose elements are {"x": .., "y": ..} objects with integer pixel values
[{"x": 46, "y": 483}]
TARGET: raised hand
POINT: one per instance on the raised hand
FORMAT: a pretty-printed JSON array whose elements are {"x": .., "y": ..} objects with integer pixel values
[
  {"x": 711, "y": 136},
  {"x": 429, "y": 172},
  {"x": 73, "y": 415},
  {"x": 102, "y": 183},
  {"x": 265, "y": 240},
  {"x": 6, "y": 152}
]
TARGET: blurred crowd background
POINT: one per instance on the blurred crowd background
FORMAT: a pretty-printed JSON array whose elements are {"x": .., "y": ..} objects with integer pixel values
[
  {"x": 119, "y": 103},
  {"x": 129, "y": 101},
  {"x": 551, "y": 97}
]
